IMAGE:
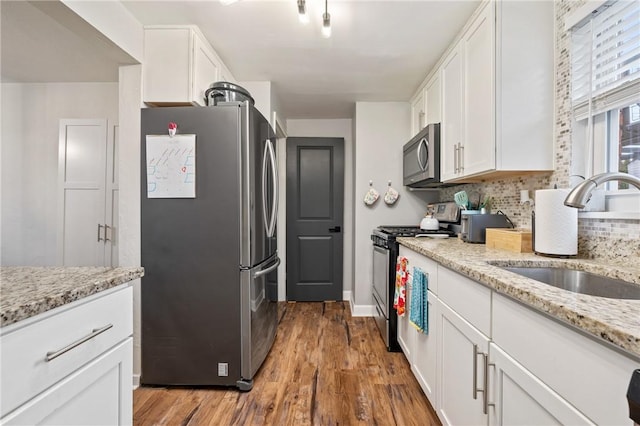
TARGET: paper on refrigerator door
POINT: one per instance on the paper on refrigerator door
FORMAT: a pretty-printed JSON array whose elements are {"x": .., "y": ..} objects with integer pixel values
[{"x": 171, "y": 166}]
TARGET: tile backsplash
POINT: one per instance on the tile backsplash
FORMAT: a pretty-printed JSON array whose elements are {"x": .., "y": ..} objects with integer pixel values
[{"x": 611, "y": 239}]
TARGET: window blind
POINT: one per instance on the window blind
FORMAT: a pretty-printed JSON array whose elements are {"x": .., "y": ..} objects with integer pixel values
[{"x": 605, "y": 59}]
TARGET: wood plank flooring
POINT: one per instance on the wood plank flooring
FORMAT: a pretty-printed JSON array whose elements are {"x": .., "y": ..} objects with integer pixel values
[{"x": 325, "y": 368}]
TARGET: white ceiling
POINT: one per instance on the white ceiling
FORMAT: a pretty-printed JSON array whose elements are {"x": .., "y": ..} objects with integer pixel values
[{"x": 378, "y": 51}]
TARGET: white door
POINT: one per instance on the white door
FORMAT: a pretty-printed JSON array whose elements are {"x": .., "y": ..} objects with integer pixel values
[
  {"x": 425, "y": 353},
  {"x": 479, "y": 148},
  {"x": 406, "y": 332},
  {"x": 88, "y": 185},
  {"x": 451, "y": 127},
  {"x": 520, "y": 398},
  {"x": 461, "y": 368}
]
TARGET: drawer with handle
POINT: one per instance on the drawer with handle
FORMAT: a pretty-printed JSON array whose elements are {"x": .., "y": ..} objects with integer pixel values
[{"x": 38, "y": 355}]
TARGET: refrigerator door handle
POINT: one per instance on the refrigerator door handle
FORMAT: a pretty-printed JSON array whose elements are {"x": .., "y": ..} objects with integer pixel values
[
  {"x": 274, "y": 176},
  {"x": 269, "y": 269},
  {"x": 264, "y": 188}
]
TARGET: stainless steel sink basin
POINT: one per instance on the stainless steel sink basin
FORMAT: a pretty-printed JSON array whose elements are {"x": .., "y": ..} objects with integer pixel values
[{"x": 580, "y": 282}]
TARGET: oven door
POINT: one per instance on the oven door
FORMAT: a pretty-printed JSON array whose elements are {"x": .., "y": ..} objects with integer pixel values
[{"x": 381, "y": 290}]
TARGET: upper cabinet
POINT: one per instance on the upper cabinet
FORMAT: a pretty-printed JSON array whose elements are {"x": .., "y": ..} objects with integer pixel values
[
  {"x": 432, "y": 99},
  {"x": 418, "y": 114},
  {"x": 493, "y": 94},
  {"x": 179, "y": 66},
  {"x": 505, "y": 88}
]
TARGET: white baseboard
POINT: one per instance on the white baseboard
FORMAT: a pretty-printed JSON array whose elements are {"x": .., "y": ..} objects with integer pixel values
[
  {"x": 359, "y": 310},
  {"x": 136, "y": 381},
  {"x": 346, "y": 295}
]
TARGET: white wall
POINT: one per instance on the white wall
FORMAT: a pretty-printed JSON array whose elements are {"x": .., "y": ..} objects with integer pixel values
[
  {"x": 340, "y": 128},
  {"x": 381, "y": 129},
  {"x": 30, "y": 124}
]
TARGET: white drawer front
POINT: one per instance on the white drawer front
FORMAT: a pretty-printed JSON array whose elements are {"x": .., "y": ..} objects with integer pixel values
[
  {"x": 25, "y": 370},
  {"x": 466, "y": 297},
  {"x": 427, "y": 265}
]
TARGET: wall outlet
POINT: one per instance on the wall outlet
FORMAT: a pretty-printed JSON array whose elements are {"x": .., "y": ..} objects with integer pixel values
[{"x": 223, "y": 369}]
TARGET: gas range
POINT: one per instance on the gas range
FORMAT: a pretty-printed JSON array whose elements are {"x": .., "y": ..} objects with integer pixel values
[{"x": 388, "y": 233}]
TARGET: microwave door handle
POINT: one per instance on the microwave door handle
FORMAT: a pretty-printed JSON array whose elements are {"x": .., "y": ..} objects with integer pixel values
[
  {"x": 274, "y": 177},
  {"x": 423, "y": 145}
]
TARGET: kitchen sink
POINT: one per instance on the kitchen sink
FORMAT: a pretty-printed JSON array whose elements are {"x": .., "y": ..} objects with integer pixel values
[{"x": 580, "y": 282}]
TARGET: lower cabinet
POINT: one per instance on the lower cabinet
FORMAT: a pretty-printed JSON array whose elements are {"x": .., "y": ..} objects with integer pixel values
[
  {"x": 489, "y": 360},
  {"x": 462, "y": 367},
  {"x": 518, "y": 397},
  {"x": 90, "y": 396},
  {"x": 406, "y": 332},
  {"x": 72, "y": 365},
  {"x": 425, "y": 353}
]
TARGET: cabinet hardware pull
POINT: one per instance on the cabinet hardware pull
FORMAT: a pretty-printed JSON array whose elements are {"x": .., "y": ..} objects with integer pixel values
[
  {"x": 106, "y": 227},
  {"x": 455, "y": 158},
  {"x": 461, "y": 161},
  {"x": 485, "y": 391},
  {"x": 55, "y": 354},
  {"x": 99, "y": 229},
  {"x": 475, "y": 371}
]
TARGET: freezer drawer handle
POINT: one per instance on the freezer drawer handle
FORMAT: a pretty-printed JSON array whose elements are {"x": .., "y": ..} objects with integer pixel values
[
  {"x": 269, "y": 269},
  {"x": 55, "y": 354},
  {"x": 335, "y": 229}
]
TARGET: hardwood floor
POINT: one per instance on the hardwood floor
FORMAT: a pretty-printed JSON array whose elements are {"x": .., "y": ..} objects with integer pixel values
[{"x": 325, "y": 368}]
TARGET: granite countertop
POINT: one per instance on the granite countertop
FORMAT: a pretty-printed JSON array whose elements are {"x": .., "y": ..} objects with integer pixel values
[
  {"x": 615, "y": 321},
  {"x": 26, "y": 291}
]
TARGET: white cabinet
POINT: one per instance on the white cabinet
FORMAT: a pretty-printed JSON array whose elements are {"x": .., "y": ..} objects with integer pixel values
[
  {"x": 418, "y": 114},
  {"x": 71, "y": 365},
  {"x": 590, "y": 376},
  {"x": 462, "y": 349},
  {"x": 497, "y": 94},
  {"x": 88, "y": 193},
  {"x": 93, "y": 395},
  {"x": 179, "y": 66},
  {"x": 406, "y": 332},
  {"x": 421, "y": 348},
  {"x": 520, "y": 398},
  {"x": 451, "y": 126},
  {"x": 536, "y": 369},
  {"x": 477, "y": 152},
  {"x": 432, "y": 99},
  {"x": 425, "y": 353}
]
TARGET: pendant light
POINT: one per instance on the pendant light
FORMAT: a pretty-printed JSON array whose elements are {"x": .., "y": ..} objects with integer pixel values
[
  {"x": 302, "y": 11},
  {"x": 326, "y": 21}
]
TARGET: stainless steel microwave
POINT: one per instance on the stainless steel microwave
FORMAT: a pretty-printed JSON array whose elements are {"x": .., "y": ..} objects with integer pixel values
[{"x": 421, "y": 158}]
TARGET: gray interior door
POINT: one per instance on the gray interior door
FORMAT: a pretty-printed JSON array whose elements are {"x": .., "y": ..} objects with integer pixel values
[{"x": 315, "y": 202}]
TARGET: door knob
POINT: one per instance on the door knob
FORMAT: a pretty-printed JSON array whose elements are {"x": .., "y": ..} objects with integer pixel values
[{"x": 335, "y": 229}]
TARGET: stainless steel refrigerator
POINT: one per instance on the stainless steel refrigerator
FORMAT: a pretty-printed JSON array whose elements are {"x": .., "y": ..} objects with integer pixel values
[{"x": 209, "y": 293}]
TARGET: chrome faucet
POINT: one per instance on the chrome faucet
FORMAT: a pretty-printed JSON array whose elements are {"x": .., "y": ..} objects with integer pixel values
[{"x": 580, "y": 195}]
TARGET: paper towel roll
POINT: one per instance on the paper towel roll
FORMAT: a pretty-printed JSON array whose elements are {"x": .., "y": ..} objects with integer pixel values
[{"x": 556, "y": 224}]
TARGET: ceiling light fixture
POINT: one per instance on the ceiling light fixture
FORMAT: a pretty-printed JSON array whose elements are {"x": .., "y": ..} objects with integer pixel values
[
  {"x": 326, "y": 21},
  {"x": 302, "y": 11}
]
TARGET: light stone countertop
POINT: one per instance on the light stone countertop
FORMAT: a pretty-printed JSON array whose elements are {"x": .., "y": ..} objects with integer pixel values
[
  {"x": 26, "y": 291},
  {"x": 615, "y": 321}
]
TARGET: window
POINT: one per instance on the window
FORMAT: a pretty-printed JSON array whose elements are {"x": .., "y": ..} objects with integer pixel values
[
  {"x": 605, "y": 77},
  {"x": 623, "y": 144}
]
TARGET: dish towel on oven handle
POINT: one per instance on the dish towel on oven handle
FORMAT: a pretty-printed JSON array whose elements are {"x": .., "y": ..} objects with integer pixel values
[
  {"x": 402, "y": 275},
  {"x": 419, "y": 308}
]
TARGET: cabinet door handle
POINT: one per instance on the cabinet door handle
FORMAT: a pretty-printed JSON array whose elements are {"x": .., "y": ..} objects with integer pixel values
[
  {"x": 485, "y": 391},
  {"x": 475, "y": 371},
  {"x": 55, "y": 354},
  {"x": 99, "y": 229},
  {"x": 106, "y": 227},
  {"x": 461, "y": 162},
  {"x": 455, "y": 158}
]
